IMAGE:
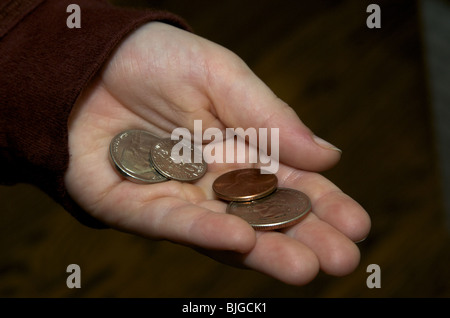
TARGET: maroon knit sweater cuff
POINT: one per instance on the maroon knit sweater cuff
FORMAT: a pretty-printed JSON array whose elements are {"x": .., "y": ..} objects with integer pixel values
[{"x": 44, "y": 67}]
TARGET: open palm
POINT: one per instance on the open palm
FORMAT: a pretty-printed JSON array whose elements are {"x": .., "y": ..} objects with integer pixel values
[{"x": 161, "y": 78}]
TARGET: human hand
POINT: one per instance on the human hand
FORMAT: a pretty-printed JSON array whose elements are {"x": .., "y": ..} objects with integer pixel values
[{"x": 160, "y": 78}]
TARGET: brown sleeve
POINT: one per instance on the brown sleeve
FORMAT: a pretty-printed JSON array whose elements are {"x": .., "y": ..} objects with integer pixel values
[{"x": 44, "y": 65}]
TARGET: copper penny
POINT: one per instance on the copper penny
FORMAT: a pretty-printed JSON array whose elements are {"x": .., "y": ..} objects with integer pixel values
[
  {"x": 244, "y": 185},
  {"x": 285, "y": 207}
]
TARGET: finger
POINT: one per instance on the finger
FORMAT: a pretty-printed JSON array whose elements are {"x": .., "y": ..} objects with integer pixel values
[
  {"x": 328, "y": 202},
  {"x": 279, "y": 256},
  {"x": 336, "y": 253},
  {"x": 241, "y": 99},
  {"x": 329, "y": 229},
  {"x": 169, "y": 214},
  {"x": 275, "y": 255}
]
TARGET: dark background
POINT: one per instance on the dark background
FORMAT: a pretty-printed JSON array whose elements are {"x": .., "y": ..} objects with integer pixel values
[{"x": 364, "y": 90}]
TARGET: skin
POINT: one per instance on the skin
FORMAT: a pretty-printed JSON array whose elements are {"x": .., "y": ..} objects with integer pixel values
[{"x": 160, "y": 78}]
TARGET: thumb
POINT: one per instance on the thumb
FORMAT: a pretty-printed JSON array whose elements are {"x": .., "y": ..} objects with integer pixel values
[{"x": 241, "y": 99}]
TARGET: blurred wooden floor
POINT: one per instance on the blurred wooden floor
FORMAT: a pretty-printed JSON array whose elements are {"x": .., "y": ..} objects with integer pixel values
[{"x": 363, "y": 90}]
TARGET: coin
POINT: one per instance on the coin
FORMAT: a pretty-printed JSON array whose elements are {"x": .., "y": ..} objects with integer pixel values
[
  {"x": 130, "y": 154},
  {"x": 169, "y": 166},
  {"x": 244, "y": 185},
  {"x": 285, "y": 207}
]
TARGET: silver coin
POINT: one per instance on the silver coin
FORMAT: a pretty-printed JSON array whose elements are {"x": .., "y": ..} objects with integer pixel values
[
  {"x": 179, "y": 165},
  {"x": 130, "y": 154},
  {"x": 285, "y": 207}
]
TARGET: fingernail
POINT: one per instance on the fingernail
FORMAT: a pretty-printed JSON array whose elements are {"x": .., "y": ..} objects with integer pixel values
[
  {"x": 360, "y": 241},
  {"x": 325, "y": 144}
]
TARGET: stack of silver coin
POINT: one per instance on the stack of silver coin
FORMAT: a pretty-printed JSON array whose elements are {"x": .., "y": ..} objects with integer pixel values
[
  {"x": 145, "y": 158},
  {"x": 252, "y": 195}
]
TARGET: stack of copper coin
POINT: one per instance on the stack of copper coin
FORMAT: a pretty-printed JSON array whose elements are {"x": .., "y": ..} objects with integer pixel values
[{"x": 256, "y": 197}]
